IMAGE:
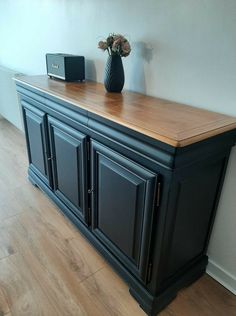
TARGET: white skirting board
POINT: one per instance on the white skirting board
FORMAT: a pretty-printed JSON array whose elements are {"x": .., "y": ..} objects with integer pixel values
[
  {"x": 222, "y": 276},
  {"x": 9, "y": 106}
]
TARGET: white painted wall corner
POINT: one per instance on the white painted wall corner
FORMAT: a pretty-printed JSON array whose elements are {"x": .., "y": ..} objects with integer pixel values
[{"x": 222, "y": 276}]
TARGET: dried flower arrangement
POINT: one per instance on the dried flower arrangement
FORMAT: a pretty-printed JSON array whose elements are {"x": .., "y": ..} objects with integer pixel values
[{"x": 116, "y": 44}]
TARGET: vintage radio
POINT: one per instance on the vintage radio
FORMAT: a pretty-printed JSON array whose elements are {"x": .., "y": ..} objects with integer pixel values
[{"x": 66, "y": 67}]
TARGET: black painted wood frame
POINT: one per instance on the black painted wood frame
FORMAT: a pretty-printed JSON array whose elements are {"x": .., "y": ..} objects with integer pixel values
[{"x": 165, "y": 198}]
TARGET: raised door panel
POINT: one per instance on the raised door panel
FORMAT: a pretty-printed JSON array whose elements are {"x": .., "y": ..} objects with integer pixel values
[
  {"x": 68, "y": 147},
  {"x": 122, "y": 207},
  {"x": 37, "y": 146}
]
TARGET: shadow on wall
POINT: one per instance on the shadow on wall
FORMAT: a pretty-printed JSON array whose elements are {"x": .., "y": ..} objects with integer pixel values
[
  {"x": 90, "y": 70},
  {"x": 142, "y": 52}
]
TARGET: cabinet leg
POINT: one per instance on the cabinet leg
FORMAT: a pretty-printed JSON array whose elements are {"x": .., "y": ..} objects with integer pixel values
[{"x": 153, "y": 305}]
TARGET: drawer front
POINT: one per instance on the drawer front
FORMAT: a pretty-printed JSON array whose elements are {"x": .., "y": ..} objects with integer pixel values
[{"x": 122, "y": 207}]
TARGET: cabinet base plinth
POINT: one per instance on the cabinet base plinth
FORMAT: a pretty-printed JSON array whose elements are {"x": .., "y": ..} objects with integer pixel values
[
  {"x": 157, "y": 304},
  {"x": 153, "y": 306}
]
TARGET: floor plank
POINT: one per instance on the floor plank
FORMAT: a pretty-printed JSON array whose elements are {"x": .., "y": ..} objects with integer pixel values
[
  {"x": 69, "y": 259},
  {"x": 24, "y": 291},
  {"x": 109, "y": 295},
  {"x": 4, "y": 307},
  {"x": 6, "y": 246},
  {"x": 47, "y": 268},
  {"x": 205, "y": 297}
]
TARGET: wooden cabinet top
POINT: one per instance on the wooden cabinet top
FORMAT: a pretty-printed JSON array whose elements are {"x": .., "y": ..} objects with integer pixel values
[{"x": 172, "y": 123}]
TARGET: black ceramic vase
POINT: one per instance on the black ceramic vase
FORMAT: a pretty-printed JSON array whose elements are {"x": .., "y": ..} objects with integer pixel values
[{"x": 114, "y": 77}]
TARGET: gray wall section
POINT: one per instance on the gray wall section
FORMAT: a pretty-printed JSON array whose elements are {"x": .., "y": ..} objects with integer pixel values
[{"x": 9, "y": 107}]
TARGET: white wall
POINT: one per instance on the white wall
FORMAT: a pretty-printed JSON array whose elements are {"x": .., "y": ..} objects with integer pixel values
[{"x": 183, "y": 50}]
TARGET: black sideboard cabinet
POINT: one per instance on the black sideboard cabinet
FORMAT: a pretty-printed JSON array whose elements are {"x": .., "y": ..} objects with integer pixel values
[{"x": 146, "y": 205}]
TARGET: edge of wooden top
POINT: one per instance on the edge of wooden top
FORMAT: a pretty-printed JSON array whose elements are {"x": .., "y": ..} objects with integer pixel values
[{"x": 157, "y": 136}]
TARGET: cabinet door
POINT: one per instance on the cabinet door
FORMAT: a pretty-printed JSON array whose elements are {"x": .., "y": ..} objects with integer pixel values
[
  {"x": 68, "y": 148},
  {"x": 122, "y": 207},
  {"x": 37, "y": 145}
]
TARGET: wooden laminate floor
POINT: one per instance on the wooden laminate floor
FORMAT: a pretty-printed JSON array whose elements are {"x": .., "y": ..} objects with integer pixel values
[{"x": 47, "y": 268}]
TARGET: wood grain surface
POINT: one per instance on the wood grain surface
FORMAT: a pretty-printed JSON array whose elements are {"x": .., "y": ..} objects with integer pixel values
[
  {"x": 47, "y": 268},
  {"x": 175, "y": 124}
]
